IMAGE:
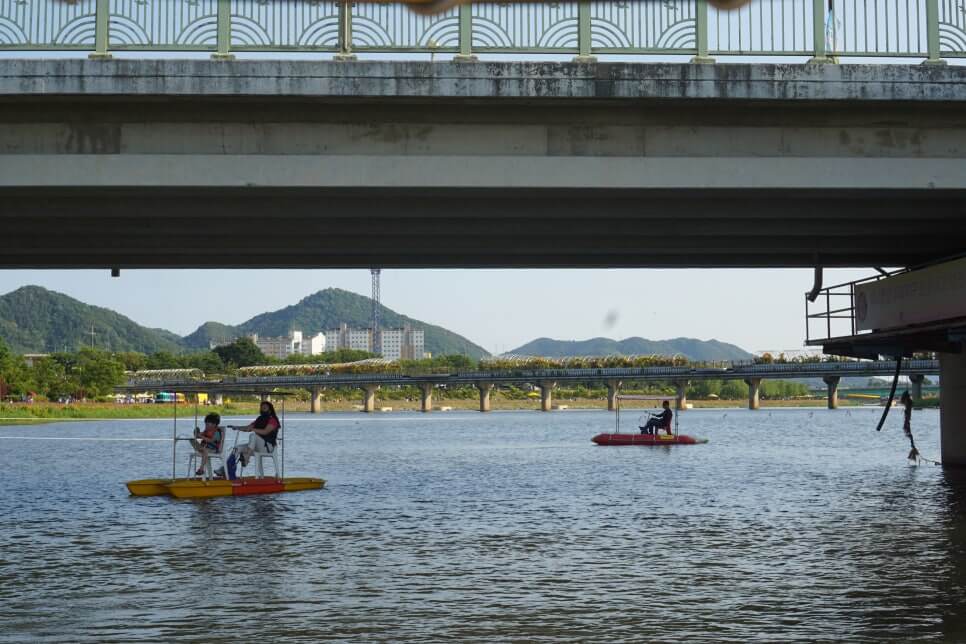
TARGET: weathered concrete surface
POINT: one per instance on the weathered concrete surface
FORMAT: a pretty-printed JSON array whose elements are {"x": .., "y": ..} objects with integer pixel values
[
  {"x": 490, "y": 164},
  {"x": 483, "y": 80}
]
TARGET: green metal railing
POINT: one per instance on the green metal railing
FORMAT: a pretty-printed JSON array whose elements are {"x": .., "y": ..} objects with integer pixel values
[{"x": 820, "y": 29}]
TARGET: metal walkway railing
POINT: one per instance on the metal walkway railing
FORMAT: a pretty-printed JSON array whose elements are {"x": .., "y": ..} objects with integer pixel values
[
  {"x": 820, "y": 29},
  {"x": 832, "y": 314}
]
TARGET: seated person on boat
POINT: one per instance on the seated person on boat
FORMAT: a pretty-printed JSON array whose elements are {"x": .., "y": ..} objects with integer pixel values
[
  {"x": 209, "y": 440},
  {"x": 264, "y": 433},
  {"x": 659, "y": 421}
]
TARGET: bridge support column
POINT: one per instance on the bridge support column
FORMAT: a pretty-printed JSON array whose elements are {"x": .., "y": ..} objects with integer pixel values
[
  {"x": 681, "y": 399},
  {"x": 613, "y": 388},
  {"x": 216, "y": 399},
  {"x": 485, "y": 389},
  {"x": 369, "y": 398},
  {"x": 915, "y": 386},
  {"x": 546, "y": 395},
  {"x": 832, "y": 382},
  {"x": 754, "y": 384},
  {"x": 426, "y": 399},
  {"x": 316, "y": 399},
  {"x": 952, "y": 411}
]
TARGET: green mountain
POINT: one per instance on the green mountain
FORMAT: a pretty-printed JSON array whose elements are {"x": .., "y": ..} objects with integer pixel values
[
  {"x": 210, "y": 334},
  {"x": 331, "y": 307},
  {"x": 35, "y": 320},
  {"x": 688, "y": 347}
]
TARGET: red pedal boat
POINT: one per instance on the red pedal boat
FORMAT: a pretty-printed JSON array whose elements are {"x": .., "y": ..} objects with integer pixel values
[
  {"x": 662, "y": 436},
  {"x": 647, "y": 439}
]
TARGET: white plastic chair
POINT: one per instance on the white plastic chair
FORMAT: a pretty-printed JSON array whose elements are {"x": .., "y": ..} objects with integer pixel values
[
  {"x": 258, "y": 457},
  {"x": 219, "y": 454}
]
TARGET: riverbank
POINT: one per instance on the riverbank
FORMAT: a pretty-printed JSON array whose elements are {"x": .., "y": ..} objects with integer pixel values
[{"x": 12, "y": 413}]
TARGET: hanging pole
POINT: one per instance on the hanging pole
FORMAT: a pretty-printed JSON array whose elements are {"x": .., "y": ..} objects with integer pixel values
[
  {"x": 282, "y": 437},
  {"x": 892, "y": 393},
  {"x": 174, "y": 439}
]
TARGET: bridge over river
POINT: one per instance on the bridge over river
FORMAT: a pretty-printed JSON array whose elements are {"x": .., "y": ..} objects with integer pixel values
[{"x": 545, "y": 379}]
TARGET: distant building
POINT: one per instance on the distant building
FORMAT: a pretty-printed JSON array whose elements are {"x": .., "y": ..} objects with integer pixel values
[
  {"x": 397, "y": 344},
  {"x": 293, "y": 344},
  {"x": 406, "y": 343},
  {"x": 347, "y": 338},
  {"x": 31, "y": 358}
]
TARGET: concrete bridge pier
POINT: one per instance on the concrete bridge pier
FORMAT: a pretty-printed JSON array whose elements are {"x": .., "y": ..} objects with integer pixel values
[
  {"x": 316, "y": 399},
  {"x": 952, "y": 412},
  {"x": 426, "y": 399},
  {"x": 754, "y": 385},
  {"x": 832, "y": 382},
  {"x": 613, "y": 388},
  {"x": 915, "y": 386},
  {"x": 681, "y": 398},
  {"x": 546, "y": 395},
  {"x": 369, "y": 398},
  {"x": 485, "y": 389}
]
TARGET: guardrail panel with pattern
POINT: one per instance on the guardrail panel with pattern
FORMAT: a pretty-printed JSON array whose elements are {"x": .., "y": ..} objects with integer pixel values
[{"x": 868, "y": 28}]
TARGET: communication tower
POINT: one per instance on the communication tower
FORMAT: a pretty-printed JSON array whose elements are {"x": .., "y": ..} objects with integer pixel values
[{"x": 376, "y": 335}]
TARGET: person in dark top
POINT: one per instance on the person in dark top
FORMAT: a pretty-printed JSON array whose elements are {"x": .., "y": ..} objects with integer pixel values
[
  {"x": 264, "y": 431},
  {"x": 659, "y": 421}
]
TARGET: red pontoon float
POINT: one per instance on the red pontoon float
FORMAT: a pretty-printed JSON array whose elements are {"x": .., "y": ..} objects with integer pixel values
[{"x": 617, "y": 438}]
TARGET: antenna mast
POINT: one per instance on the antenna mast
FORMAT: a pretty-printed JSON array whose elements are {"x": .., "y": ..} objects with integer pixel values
[{"x": 376, "y": 335}]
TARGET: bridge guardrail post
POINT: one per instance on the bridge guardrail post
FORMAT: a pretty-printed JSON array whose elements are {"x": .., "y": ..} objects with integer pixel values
[
  {"x": 820, "y": 55},
  {"x": 466, "y": 35},
  {"x": 345, "y": 32},
  {"x": 701, "y": 33},
  {"x": 932, "y": 34},
  {"x": 102, "y": 30},
  {"x": 584, "y": 51},
  {"x": 223, "y": 35}
]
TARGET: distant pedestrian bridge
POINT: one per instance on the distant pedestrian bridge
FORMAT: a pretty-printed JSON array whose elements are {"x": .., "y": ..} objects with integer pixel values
[{"x": 544, "y": 379}]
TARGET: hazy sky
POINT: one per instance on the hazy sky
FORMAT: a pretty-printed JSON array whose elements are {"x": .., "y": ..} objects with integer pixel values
[{"x": 498, "y": 309}]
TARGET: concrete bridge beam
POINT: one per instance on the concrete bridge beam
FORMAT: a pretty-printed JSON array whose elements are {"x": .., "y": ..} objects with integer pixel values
[
  {"x": 681, "y": 399},
  {"x": 369, "y": 398},
  {"x": 952, "y": 412},
  {"x": 832, "y": 382},
  {"x": 613, "y": 388},
  {"x": 485, "y": 389},
  {"x": 546, "y": 395},
  {"x": 915, "y": 386},
  {"x": 754, "y": 385},
  {"x": 426, "y": 397},
  {"x": 315, "y": 399}
]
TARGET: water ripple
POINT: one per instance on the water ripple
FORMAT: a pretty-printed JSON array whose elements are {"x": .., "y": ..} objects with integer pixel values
[{"x": 788, "y": 526}]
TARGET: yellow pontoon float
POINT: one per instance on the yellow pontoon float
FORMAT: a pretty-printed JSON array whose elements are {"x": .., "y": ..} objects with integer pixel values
[{"x": 207, "y": 486}]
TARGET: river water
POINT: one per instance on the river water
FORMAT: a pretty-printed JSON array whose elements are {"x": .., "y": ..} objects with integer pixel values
[{"x": 791, "y": 524}]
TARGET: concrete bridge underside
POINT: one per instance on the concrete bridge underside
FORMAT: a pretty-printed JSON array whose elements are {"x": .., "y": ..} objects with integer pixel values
[{"x": 326, "y": 164}]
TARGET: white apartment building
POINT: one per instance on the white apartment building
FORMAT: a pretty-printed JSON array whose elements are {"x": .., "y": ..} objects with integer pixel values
[
  {"x": 293, "y": 344},
  {"x": 346, "y": 338},
  {"x": 402, "y": 344},
  {"x": 397, "y": 344}
]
